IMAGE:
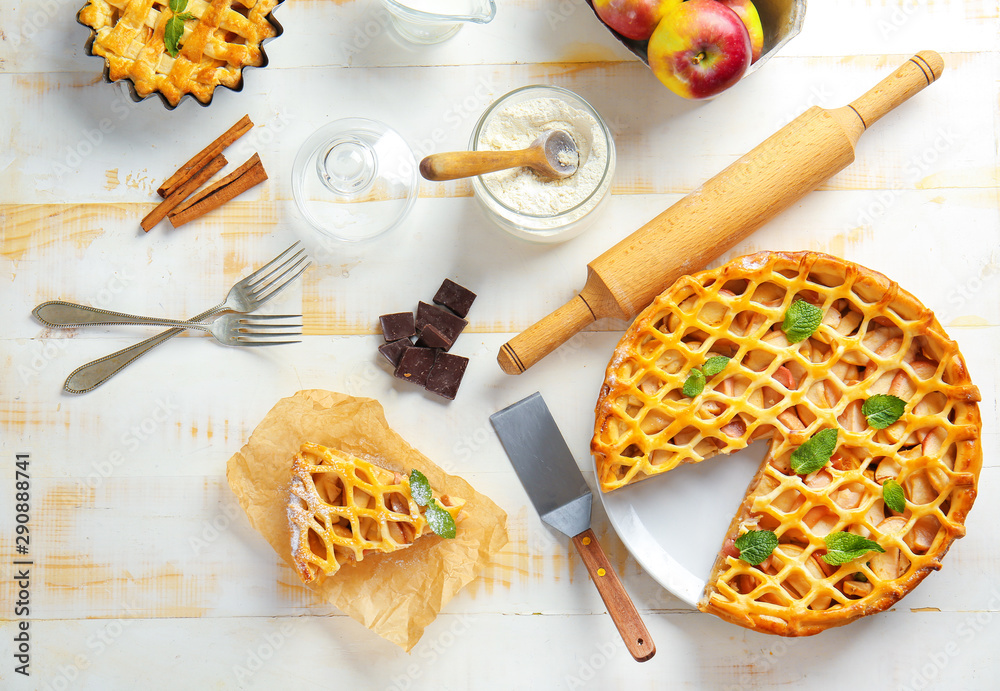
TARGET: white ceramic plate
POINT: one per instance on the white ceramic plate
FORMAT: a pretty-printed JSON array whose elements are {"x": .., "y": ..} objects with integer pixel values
[{"x": 674, "y": 524}]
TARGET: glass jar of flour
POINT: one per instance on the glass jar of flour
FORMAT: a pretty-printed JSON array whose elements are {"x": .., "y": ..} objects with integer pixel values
[{"x": 519, "y": 200}]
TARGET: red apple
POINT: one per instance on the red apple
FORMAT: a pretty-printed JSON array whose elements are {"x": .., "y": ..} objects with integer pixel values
[
  {"x": 633, "y": 18},
  {"x": 751, "y": 20},
  {"x": 699, "y": 49}
]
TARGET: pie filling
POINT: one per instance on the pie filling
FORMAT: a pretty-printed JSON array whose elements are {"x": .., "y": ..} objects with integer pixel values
[{"x": 874, "y": 338}]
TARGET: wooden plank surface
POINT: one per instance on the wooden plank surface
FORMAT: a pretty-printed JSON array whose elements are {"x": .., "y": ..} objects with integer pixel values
[{"x": 146, "y": 572}]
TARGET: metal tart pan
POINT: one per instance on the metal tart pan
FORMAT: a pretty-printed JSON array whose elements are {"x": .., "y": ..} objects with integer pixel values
[{"x": 138, "y": 98}]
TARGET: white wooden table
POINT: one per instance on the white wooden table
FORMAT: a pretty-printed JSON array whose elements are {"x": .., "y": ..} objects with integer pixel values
[{"x": 145, "y": 572}]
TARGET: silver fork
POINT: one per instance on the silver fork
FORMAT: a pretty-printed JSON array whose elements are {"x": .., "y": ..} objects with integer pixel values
[
  {"x": 245, "y": 296},
  {"x": 60, "y": 314},
  {"x": 235, "y": 329},
  {"x": 228, "y": 328}
]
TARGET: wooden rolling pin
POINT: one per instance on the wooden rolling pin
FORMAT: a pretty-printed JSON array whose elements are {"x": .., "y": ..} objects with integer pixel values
[{"x": 778, "y": 172}]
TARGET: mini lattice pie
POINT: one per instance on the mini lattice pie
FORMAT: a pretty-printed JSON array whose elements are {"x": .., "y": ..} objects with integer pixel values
[
  {"x": 343, "y": 508},
  {"x": 223, "y": 37},
  {"x": 874, "y": 338}
]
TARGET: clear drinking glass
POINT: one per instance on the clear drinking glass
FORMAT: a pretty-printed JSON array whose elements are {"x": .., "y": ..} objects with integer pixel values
[{"x": 354, "y": 179}]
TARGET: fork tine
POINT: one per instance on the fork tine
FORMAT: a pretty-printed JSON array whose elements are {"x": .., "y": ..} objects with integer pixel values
[
  {"x": 244, "y": 326},
  {"x": 273, "y": 316},
  {"x": 268, "y": 277},
  {"x": 270, "y": 329},
  {"x": 245, "y": 342},
  {"x": 268, "y": 338},
  {"x": 270, "y": 264},
  {"x": 286, "y": 278},
  {"x": 249, "y": 326}
]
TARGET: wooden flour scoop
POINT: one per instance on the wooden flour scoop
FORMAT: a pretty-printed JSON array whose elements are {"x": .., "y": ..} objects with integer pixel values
[{"x": 794, "y": 160}]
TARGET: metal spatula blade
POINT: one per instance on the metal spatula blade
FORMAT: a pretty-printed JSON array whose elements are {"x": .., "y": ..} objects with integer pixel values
[
  {"x": 544, "y": 464},
  {"x": 555, "y": 485}
]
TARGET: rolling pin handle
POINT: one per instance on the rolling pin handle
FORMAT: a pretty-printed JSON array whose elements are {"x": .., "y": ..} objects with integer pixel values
[
  {"x": 909, "y": 79},
  {"x": 540, "y": 339}
]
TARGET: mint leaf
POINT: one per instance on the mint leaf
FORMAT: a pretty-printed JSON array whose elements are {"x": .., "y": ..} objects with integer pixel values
[
  {"x": 437, "y": 517},
  {"x": 714, "y": 365},
  {"x": 174, "y": 29},
  {"x": 801, "y": 321},
  {"x": 440, "y": 520},
  {"x": 816, "y": 452},
  {"x": 892, "y": 495},
  {"x": 756, "y": 546},
  {"x": 694, "y": 384},
  {"x": 845, "y": 547},
  {"x": 882, "y": 410},
  {"x": 420, "y": 488},
  {"x": 172, "y": 35}
]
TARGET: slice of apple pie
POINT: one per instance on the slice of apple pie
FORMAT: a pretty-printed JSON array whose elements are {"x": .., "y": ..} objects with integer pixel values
[
  {"x": 874, "y": 430},
  {"x": 342, "y": 508}
]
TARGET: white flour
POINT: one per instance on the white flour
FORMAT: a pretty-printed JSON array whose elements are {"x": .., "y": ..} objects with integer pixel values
[{"x": 515, "y": 127}]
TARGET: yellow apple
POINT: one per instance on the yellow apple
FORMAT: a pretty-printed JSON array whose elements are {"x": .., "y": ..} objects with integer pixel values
[
  {"x": 751, "y": 19},
  {"x": 699, "y": 49}
]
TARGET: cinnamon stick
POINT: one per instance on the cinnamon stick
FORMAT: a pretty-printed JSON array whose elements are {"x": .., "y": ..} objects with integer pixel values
[
  {"x": 186, "y": 171},
  {"x": 236, "y": 183},
  {"x": 181, "y": 192}
]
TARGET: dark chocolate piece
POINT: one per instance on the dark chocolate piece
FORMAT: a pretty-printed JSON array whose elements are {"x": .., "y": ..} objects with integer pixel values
[
  {"x": 397, "y": 326},
  {"x": 441, "y": 319},
  {"x": 446, "y": 375},
  {"x": 393, "y": 350},
  {"x": 457, "y": 298},
  {"x": 431, "y": 337},
  {"x": 415, "y": 364}
]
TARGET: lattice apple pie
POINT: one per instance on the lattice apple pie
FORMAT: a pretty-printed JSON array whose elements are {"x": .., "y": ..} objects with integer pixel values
[
  {"x": 176, "y": 47},
  {"x": 343, "y": 508},
  {"x": 874, "y": 430}
]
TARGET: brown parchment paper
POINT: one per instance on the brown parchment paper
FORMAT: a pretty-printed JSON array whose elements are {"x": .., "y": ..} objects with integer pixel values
[{"x": 395, "y": 595}]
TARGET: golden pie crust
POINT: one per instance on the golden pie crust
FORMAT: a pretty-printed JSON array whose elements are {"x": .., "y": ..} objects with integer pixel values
[
  {"x": 342, "y": 508},
  {"x": 224, "y": 37},
  {"x": 875, "y": 338}
]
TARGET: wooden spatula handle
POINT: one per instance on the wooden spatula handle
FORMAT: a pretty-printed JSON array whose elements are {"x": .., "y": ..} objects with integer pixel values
[
  {"x": 619, "y": 604},
  {"x": 453, "y": 165}
]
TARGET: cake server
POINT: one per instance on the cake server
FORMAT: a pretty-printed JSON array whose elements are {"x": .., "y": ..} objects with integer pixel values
[{"x": 556, "y": 487}]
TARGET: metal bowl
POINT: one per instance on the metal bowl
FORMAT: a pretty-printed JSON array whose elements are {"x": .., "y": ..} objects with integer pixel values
[
  {"x": 780, "y": 19},
  {"x": 137, "y": 97}
]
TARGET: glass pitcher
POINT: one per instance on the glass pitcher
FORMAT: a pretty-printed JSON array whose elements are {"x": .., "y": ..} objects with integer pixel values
[{"x": 432, "y": 21}]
